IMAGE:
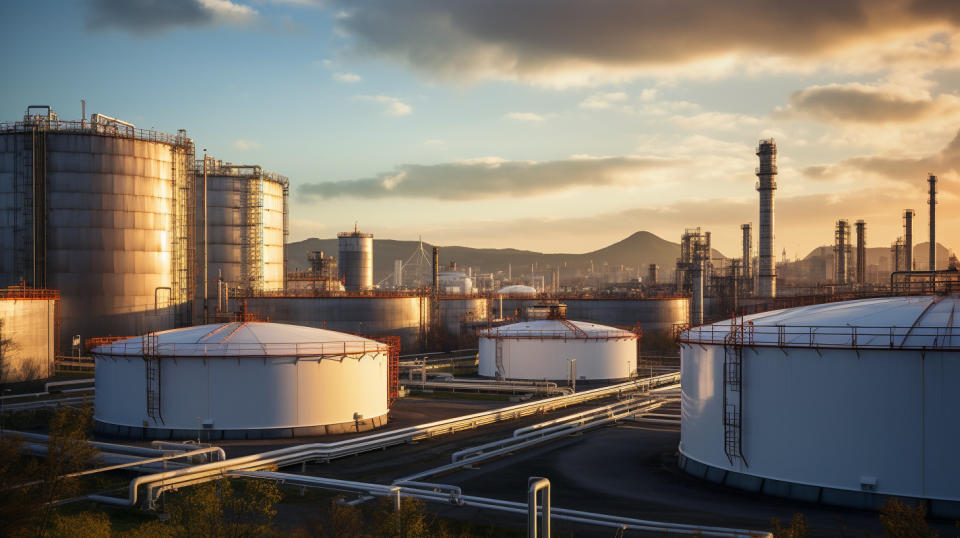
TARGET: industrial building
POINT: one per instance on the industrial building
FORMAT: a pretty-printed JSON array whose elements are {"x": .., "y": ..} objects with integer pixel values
[
  {"x": 29, "y": 321},
  {"x": 554, "y": 348},
  {"x": 103, "y": 212},
  {"x": 242, "y": 226},
  {"x": 844, "y": 403},
  {"x": 241, "y": 381}
]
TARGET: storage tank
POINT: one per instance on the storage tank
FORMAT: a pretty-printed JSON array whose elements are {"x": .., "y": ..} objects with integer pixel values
[
  {"x": 240, "y": 381},
  {"x": 651, "y": 314},
  {"x": 103, "y": 212},
  {"x": 246, "y": 225},
  {"x": 28, "y": 331},
  {"x": 542, "y": 349},
  {"x": 455, "y": 310},
  {"x": 356, "y": 260},
  {"x": 405, "y": 316},
  {"x": 845, "y": 403}
]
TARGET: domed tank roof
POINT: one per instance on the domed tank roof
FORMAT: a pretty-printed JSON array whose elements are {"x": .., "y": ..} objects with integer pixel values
[
  {"x": 556, "y": 328},
  {"x": 912, "y": 322},
  {"x": 518, "y": 289},
  {"x": 241, "y": 339}
]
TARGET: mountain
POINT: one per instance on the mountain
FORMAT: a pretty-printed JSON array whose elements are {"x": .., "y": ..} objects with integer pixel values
[
  {"x": 881, "y": 256},
  {"x": 641, "y": 248}
]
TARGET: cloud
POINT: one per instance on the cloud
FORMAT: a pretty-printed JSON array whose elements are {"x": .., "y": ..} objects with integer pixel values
[
  {"x": 487, "y": 178},
  {"x": 154, "y": 16},
  {"x": 719, "y": 121},
  {"x": 603, "y": 100},
  {"x": 567, "y": 42},
  {"x": 347, "y": 77},
  {"x": 861, "y": 103},
  {"x": 526, "y": 116},
  {"x": 394, "y": 106},
  {"x": 944, "y": 163},
  {"x": 246, "y": 145}
]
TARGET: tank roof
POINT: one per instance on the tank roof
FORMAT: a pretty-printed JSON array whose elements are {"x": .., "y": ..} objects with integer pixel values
[
  {"x": 518, "y": 289},
  {"x": 557, "y": 328},
  {"x": 911, "y": 322},
  {"x": 245, "y": 339}
]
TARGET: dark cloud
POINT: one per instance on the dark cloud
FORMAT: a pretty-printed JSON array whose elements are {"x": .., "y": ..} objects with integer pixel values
[
  {"x": 147, "y": 16},
  {"x": 484, "y": 179},
  {"x": 944, "y": 163},
  {"x": 866, "y": 104},
  {"x": 510, "y": 38}
]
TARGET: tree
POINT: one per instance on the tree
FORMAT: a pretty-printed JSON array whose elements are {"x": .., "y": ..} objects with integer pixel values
[
  {"x": 797, "y": 528},
  {"x": 81, "y": 525},
  {"x": 229, "y": 507},
  {"x": 901, "y": 520},
  {"x": 409, "y": 522}
]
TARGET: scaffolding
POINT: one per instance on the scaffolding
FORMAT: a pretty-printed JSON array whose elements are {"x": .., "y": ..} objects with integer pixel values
[
  {"x": 841, "y": 252},
  {"x": 252, "y": 235}
]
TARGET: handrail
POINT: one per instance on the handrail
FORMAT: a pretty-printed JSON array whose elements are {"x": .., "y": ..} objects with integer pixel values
[
  {"x": 257, "y": 350},
  {"x": 828, "y": 336},
  {"x": 67, "y": 127}
]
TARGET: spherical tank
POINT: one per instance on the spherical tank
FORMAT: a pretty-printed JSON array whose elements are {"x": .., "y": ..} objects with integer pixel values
[
  {"x": 356, "y": 260},
  {"x": 240, "y": 381},
  {"x": 245, "y": 226},
  {"x": 542, "y": 349},
  {"x": 101, "y": 211},
  {"x": 399, "y": 316},
  {"x": 845, "y": 402}
]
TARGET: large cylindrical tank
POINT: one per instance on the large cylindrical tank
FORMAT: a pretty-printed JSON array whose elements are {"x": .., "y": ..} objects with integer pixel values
[
  {"x": 356, "y": 260},
  {"x": 246, "y": 226},
  {"x": 28, "y": 329},
  {"x": 847, "y": 403},
  {"x": 652, "y": 315},
  {"x": 103, "y": 212},
  {"x": 542, "y": 349},
  {"x": 407, "y": 317},
  {"x": 456, "y": 310},
  {"x": 240, "y": 381}
]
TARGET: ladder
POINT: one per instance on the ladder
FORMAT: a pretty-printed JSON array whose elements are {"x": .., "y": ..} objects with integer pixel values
[
  {"x": 733, "y": 394},
  {"x": 152, "y": 370},
  {"x": 501, "y": 373},
  {"x": 252, "y": 267}
]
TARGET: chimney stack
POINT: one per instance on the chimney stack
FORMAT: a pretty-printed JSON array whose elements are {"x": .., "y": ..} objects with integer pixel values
[
  {"x": 908, "y": 240},
  {"x": 933, "y": 221},
  {"x": 861, "y": 251},
  {"x": 766, "y": 174}
]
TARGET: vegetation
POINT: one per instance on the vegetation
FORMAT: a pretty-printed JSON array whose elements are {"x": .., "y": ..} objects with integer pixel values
[
  {"x": 796, "y": 529},
  {"x": 901, "y": 520}
]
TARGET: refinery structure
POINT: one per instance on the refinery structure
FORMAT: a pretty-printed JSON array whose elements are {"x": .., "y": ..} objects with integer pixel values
[{"x": 166, "y": 274}]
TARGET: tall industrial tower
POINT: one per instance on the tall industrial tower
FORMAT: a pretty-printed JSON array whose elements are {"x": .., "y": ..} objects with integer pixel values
[
  {"x": 766, "y": 172},
  {"x": 908, "y": 240},
  {"x": 933, "y": 221}
]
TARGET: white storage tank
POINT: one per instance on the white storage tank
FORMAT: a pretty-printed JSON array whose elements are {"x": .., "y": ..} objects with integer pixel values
[
  {"x": 240, "y": 381},
  {"x": 845, "y": 403},
  {"x": 246, "y": 226},
  {"x": 542, "y": 349}
]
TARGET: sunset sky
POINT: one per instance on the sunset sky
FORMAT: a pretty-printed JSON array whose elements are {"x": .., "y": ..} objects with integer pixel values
[{"x": 552, "y": 125}]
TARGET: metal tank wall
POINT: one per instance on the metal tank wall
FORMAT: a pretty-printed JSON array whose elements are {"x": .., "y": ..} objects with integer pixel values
[
  {"x": 650, "y": 314},
  {"x": 230, "y": 239},
  {"x": 530, "y": 358},
  {"x": 825, "y": 418},
  {"x": 453, "y": 310},
  {"x": 119, "y": 243},
  {"x": 30, "y": 325},
  {"x": 406, "y": 317}
]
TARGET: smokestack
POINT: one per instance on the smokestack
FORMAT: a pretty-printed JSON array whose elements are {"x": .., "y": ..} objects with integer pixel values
[
  {"x": 747, "y": 244},
  {"x": 933, "y": 221},
  {"x": 652, "y": 274},
  {"x": 436, "y": 270},
  {"x": 861, "y": 251},
  {"x": 908, "y": 240},
  {"x": 766, "y": 173},
  {"x": 896, "y": 250},
  {"x": 696, "y": 301},
  {"x": 841, "y": 247}
]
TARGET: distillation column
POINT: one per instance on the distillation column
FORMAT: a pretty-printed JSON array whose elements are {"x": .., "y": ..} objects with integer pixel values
[
  {"x": 933, "y": 221},
  {"x": 908, "y": 240},
  {"x": 861, "y": 228},
  {"x": 746, "y": 260},
  {"x": 766, "y": 173},
  {"x": 841, "y": 248}
]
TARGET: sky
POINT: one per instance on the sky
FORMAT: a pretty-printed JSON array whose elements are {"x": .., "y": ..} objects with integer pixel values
[{"x": 550, "y": 125}]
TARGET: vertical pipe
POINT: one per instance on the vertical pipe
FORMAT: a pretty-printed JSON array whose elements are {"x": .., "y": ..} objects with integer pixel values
[
  {"x": 745, "y": 257},
  {"x": 861, "y": 251},
  {"x": 534, "y": 485},
  {"x": 933, "y": 221},
  {"x": 908, "y": 240},
  {"x": 436, "y": 270},
  {"x": 766, "y": 174},
  {"x": 205, "y": 264}
]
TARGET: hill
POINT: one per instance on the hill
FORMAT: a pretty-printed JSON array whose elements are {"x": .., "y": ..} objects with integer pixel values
[{"x": 641, "y": 248}]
